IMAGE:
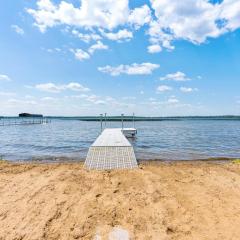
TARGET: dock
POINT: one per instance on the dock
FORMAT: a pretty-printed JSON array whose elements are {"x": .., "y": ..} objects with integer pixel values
[
  {"x": 112, "y": 150},
  {"x": 8, "y": 121}
]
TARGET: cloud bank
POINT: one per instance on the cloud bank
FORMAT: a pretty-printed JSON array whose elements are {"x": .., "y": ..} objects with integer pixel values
[{"x": 167, "y": 21}]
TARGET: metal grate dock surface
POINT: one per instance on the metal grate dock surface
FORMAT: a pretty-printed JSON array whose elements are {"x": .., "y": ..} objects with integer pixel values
[
  {"x": 110, "y": 158},
  {"x": 111, "y": 150}
]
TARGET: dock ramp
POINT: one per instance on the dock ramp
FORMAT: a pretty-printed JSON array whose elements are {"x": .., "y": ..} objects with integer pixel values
[{"x": 111, "y": 150}]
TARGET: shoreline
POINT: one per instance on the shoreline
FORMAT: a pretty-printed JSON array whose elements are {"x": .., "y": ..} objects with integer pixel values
[
  {"x": 159, "y": 200},
  {"x": 140, "y": 161}
]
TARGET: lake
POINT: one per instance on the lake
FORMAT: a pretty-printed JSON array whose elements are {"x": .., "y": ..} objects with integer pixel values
[{"x": 68, "y": 140}]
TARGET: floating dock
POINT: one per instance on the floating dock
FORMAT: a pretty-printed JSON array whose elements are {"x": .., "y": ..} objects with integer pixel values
[{"x": 112, "y": 150}]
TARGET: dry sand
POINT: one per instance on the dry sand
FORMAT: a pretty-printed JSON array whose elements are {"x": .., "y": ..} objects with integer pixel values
[{"x": 182, "y": 200}]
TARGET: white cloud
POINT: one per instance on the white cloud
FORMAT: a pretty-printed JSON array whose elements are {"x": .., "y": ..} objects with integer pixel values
[
  {"x": 140, "y": 16},
  {"x": 29, "y": 97},
  {"x": 99, "y": 100},
  {"x": 82, "y": 96},
  {"x": 17, "y": 29},
  {"x": 48, "y": 99},
  {"x": 187, "y": 89},
  {"x": 95, "y": 100},
  {"x": 192, "y": 20},
  {"x": 159, "y": 37},
  {"x": 49, "y": 87},
  {"x": 133, "y": 69},
  {"x": 5, "y": 78},
  {"x": 106, "y": 14},
  {"x": 178, "y": 76},
  {"x": 169, "y": 103},
  {"x": 76, "y": 87},
  {"x": 80, "y": 54},
  {"x": 19, "y": 101},
  {"x": 54, "y": 88},
  {"x": 231, "y": 14},
  {"x": 7, "y": 94},
  {"x": 92, "y": 98},
  {"x": 98, "y": 46},
  {"x": 52, "y": 50},
  {"x": 46, "y": 5},
  {"x": 172, "y": 100},
  {"x": 86, "y": 37},
  {"x": 154, "y": 48},
  {"x": 122, "y": 34},
  {"x": 163, "y": 88},
  {"x": 83, "y": 55}
]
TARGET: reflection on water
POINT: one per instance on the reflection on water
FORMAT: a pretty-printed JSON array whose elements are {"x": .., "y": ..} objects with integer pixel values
[{"x": 168, "y": 140}]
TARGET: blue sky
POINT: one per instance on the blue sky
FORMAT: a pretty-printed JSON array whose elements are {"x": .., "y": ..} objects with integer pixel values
[{"x": 154, "y": 58}]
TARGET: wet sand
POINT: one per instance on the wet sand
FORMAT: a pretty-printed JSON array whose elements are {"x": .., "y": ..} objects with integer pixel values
[{"x": 177, "y": 200}]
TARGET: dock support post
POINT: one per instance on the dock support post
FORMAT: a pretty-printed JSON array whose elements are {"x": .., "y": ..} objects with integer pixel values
[
  {"x": 101, "y": 121},
  {"x": 122, "y": 120},
  {"x": 133, "y": 120},
  {"x": 105, "y": 119}
]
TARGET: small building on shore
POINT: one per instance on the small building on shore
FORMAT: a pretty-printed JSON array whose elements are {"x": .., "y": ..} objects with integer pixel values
[{"x": 30, "y": 115}]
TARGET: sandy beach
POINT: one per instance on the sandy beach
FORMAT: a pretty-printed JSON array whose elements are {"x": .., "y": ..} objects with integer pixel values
[{"x": 178, "y": 200}]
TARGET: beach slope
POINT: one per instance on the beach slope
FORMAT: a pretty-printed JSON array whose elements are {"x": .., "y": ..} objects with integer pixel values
[{"x": 178, "y": 200}]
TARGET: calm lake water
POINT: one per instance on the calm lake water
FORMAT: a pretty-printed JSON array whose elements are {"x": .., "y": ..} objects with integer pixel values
[{"x": 167, "y": 140}]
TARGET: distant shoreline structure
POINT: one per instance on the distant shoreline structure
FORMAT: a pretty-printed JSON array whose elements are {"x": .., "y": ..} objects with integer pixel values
[{"x": 30, "y": 115}]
